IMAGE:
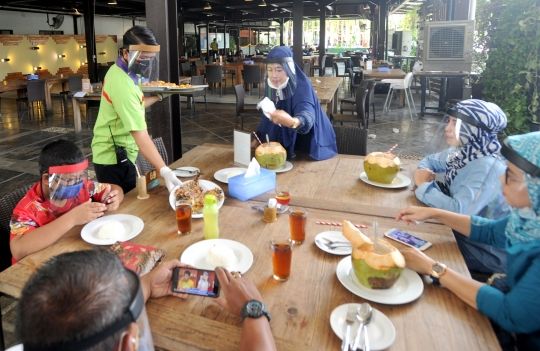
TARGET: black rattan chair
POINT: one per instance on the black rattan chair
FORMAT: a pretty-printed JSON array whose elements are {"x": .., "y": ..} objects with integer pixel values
[
  {"x": 143, "y": 164},
  {"x": 351, "y": 140},
  {"x": 214, "y": 74},
  {"x": 360, "y": 116},
  {"x": 252, "y": 75},
  {"x": 321, "y": 67},
  {"x": 242, "y": 112},
  {"x": 35, "y": 93},
  {"x": 196, "y": 80}
]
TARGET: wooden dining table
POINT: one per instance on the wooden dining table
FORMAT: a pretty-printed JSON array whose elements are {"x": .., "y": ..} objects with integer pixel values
[
  {"x": 327, "y": 89},
  {"x": 301, "y": 306}
]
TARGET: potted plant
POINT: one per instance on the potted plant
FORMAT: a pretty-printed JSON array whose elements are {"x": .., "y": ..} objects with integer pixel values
[
  {"x": 511, "y": 74},
  {"x": 191, "y": 45}
]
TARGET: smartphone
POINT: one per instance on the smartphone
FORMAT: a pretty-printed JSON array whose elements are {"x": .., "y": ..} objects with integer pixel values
[
  {"x": 407, "y": 239},
  {"x": 195, "y": 282}
]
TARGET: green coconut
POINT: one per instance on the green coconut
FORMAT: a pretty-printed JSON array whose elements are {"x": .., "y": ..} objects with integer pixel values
[
  {"x": 271, "y": 156},
  {"x": 381, "y": 167}
]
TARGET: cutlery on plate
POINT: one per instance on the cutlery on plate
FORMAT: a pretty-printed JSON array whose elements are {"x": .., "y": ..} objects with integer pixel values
[
  {"x": 332, "y": 242},
  {"x": 186, "y": 170},
  {"x": 349, "y": 319},
  {"x": 335, "y": 246},
  {"x": 363, "y": 314}
]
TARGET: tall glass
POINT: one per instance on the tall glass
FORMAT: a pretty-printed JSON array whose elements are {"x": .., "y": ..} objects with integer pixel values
[
  {"x": 281, "y": 257},
  {"x": 183, "y": 216},
  {"x": 297, "y": 222}
]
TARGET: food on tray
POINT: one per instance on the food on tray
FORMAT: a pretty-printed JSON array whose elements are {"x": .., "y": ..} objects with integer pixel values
[
  {"x": 164, "y": 84},
  {"x": 192, "y": 190},
  {"x": 111, "y": 230},
  {"x": 374, "y": 270},
  {"x": 220, "y": 256},
  {"x": 381, "y": 167},
  {"x": 271, "y": 156}
]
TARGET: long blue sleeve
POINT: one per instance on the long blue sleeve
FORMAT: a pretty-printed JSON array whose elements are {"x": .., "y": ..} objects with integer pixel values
[
  {"x": 489, "y": 231},
  {"x": 435, "y": 162}
]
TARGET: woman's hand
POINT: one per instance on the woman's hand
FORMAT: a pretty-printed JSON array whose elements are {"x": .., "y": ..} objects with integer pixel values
[
  {"x": 417, "y": 260},
  {"x": 422, "y": 176},
  {"x": 281, "y": 117},
  {"x": 412, "y": 214}
]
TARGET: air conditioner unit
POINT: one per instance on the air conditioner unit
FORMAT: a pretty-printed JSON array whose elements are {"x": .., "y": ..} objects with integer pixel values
[{"x": 448, "y": 46}]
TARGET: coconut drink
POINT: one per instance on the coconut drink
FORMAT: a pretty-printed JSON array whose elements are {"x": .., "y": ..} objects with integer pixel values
[
  {"x": 374, "y": 270},
  {"x": 271, "y": 155},
  {"x": 381, "y": 167}
]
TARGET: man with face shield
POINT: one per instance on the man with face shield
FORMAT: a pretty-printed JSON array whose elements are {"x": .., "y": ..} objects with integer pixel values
[
  {"x": 462, "y": 152},
  {"x": 515, "y": 309},
  {"x": 298, "y": 122},
  {"x": 120, "y": 131},
  {"x": 69, "y": 304},
  {"x": 62, "y": 199}
]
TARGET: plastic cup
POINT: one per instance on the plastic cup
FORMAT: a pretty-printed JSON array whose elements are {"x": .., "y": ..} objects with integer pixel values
[
  {"x": 297, "y": 222},
  {"x": 183, "y": 216},
  {"x": 281, "y": 257}
]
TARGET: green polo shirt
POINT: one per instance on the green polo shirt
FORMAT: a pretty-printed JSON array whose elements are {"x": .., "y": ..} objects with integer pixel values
[{"x": 121, "y": 108}]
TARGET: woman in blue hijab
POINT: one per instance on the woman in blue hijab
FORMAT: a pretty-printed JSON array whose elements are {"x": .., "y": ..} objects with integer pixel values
[
  {"x": 298, "y": 122},
  {"x": 516, "y": 310}
]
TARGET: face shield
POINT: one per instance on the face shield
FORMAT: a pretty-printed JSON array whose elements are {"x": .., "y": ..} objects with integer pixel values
[
  {"x": 280, "y": 78},
  {"x": 144, "y": 62},
  {"x": 65, "y": 184}
]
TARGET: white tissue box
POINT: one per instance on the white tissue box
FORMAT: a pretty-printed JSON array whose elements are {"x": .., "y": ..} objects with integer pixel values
[{"x": 244, "y": 188}]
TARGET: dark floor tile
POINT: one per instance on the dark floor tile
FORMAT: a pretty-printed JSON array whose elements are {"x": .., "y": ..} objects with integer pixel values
[{"x": 17, "y": 180}]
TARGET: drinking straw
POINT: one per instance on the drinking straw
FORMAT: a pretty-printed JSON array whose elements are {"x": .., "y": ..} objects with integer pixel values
[
  {"x": 259, "y": 140},
  {"x": 391, "y": 149},
  {"x": 137, "y": 169},
  {"x": 375, "y": 241},
  {"x": 340, "y": 225}
]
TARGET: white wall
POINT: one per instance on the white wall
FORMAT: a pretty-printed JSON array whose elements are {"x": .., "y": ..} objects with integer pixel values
[{"x": 32, "y": 23}]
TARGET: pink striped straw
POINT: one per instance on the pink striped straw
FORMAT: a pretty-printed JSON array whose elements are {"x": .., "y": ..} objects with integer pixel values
[
  {"x": 391, "y": 149},
  {"x": 340, "y": 225},
  {"x": 257, "y": 138}
]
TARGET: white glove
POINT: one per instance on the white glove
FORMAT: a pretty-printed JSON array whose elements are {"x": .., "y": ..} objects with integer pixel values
[{"x": 170, "y": 178}]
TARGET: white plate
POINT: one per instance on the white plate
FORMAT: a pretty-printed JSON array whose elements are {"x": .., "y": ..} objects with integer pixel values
[
  {"x": 150, "y": 89},
  {"x": 407, "y": 288},
  {"x": 205, "y": 185},
  {"x": 180, "y": 172},
  {"x": 221, "y": 175},
  {"x": 191, "y": 89},
  {"x": 400, "y": 181},
  {"x": 195, "y": 255},
  {"x": 286, "y": 167},
  {"x": 133, "y": 225},
  {"x": 333, "y": 235},
  {"x": 381, "y": 331}
]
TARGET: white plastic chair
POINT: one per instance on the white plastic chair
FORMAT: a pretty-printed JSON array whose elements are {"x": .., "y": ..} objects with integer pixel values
[{"x": 399, "y": 84}]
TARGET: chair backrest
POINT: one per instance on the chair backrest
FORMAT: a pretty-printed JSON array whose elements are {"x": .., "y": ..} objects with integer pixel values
[
  {"x": 322, "y": 63},
  {"x": 186, "y": 69},
  {"x": 351, "y": 140},
  {"x": 198, "y": 80},
  {"x": 210, "y": 59},
  {"x": 198, "y": 63},
  {"x": 214, "y": 73},
  {"x": 355, "y": 60},
  {"x": 361, "y": 95},
  {"x": 329, "y": 62},
  {"x": 408, "y": 79},
  {"x": 7, "y": 205},
  {"x": 101, "y": 72},
  {"x": 252, "y": 74},
  {"x": 371, "y": 92},
  {"x": 305, "y": 68},
  {"x": 75, "y": 83},
  {"x": 240, "y": 96},
  {"x": 143, "y": 164},
  {"x": 36, "y": 90}
]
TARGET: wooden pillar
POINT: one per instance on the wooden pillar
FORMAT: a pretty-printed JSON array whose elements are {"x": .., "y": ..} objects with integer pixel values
[
  {"x": 281, "y": 24},
  {"x": 298, "y": 19},
  {"x": 322, "y": 32},
  {"x": 161, "y": 17},
  {"x": 90, "y": 36}
]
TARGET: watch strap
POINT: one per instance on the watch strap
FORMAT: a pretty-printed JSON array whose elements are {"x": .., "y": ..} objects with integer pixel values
[{"x": 263, "y": 311}]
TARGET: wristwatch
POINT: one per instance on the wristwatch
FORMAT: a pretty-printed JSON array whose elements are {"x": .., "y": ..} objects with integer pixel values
[
  {"x": 437, "y": 271},
  {"x": 254, "y": 309},
  {"x": 296, "y": 124}
]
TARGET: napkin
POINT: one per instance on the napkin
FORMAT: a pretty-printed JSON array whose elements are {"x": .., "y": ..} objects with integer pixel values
[
  {"x": 254, "y": 168},
  {"x": 369, "y": 64},
  {"x": 267, "y": 106},
  {"x": 139, "y": 258}
]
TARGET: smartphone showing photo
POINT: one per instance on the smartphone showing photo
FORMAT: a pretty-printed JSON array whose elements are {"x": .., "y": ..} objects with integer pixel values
[
  {"x": 195, "y": 282},
  {"x": 407, "y": 239}
]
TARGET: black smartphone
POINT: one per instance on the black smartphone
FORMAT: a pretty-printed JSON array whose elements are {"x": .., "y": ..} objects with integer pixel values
[
  {"x": 407, "y": 239},
  {"x": 195, "y": 282}
]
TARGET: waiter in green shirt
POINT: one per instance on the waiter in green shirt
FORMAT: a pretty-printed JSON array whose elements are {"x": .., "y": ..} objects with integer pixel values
[{"x": 120, "y": 130}]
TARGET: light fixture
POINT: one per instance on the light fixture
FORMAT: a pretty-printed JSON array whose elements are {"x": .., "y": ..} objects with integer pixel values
[
  {"x": 82, "y": 46},
  {"x": 61, "y": 56},
  {"x": 36, "y": 68},
  {"x": 262, "y": 3},
  {"x": 112, "y": 2},
  {"x": 207, "y": 6},
  {"x": 102, "y": 53},
  {"x": 76, "y": 11},
  {"x": 5, "y": 59},
  {"x": 249, "y": 0},
  {"x": 273, "y": 10},
  {"x": 34, "y": 48}
]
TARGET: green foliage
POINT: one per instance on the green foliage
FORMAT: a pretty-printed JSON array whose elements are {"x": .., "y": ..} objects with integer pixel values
[
  {"x": 191, "y": 44},
  {"x": 232, "y": 44},
  {"x": 487, "y": 15},
  {"x": 511, "y": 75}
]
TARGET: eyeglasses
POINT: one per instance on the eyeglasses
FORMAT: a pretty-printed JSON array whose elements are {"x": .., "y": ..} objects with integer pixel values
[{"x": 511, "y": 178}]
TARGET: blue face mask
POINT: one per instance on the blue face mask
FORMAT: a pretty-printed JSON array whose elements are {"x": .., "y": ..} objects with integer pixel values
[{"x": 68, "y": 191}]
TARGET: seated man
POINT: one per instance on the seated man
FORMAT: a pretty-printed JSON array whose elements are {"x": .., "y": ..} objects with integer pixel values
[
  {"x": 62, "y": 199},
  {"x": 69, "y": 304}
]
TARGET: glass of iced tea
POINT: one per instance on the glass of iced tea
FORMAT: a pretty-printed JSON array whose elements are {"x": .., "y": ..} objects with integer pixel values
[
  {"x": 281, "y": 257},
  {"x": 183, "y": 216},
  {"x": 283, "y": 195},
  {"x": 297, "y": 222}
]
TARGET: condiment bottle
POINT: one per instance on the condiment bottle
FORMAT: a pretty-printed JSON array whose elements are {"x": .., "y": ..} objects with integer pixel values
[
  {"x": 210, "y": 216},
  {"x": 270, "y": 211}
]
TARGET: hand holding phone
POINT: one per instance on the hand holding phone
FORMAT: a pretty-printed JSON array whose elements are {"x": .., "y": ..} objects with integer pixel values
[
  {"x": 195, "y": 282},
  {"x": 407, "y": 239}
]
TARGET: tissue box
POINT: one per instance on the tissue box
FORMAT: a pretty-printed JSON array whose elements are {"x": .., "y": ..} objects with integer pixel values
[
  {"x": 244, "y": 188},
  {"x": 383, "y": 69}
]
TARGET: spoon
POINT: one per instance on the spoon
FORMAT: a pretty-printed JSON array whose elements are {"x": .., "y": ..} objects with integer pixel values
[
  {"x": 331, "y": 242},
  {"x": 335, "y": 246},
  {"x": 375, "y": 241},
  {"x": 268, "y": 139},
  {"x": 363, "y": 314}
]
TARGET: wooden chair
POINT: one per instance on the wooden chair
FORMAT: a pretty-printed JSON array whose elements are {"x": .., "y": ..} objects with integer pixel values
[
  {"x": 241, "y": 112},
  {"x": 252, "y": 75},
  {"x": 144, "y": 165},
  {"x": 351, "y": 140},
  {"x": 360, "y": 116},
  {"x": 214, "y": 74}
]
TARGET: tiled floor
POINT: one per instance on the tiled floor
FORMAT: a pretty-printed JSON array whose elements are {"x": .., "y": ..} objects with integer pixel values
[{"x": 21, "y": 142}]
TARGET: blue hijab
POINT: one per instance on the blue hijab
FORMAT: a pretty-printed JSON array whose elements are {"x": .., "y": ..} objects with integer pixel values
[
  {"x": 524, "y": 224},
  {"x": 320, "y": 140}
]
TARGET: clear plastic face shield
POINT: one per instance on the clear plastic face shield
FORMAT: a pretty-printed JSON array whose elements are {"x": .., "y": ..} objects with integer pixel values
[
  {"x": 280, "y": 78},
  {"x": 144, "y": 62},
  {"x": 65, "y": 184}
]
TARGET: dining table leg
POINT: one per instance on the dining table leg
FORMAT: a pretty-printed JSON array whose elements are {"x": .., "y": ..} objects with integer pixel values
[
  {"x": 76, "y": 114},
  {"x": 48, "y": 101}
]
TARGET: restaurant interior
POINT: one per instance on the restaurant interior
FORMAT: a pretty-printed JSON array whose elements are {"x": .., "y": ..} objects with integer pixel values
[{"x": 58, "y": 41}]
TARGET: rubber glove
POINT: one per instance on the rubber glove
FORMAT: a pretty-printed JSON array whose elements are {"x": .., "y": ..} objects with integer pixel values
[
  {"x": 164, "y": 95},
  {"x": 170, "y": 178}
]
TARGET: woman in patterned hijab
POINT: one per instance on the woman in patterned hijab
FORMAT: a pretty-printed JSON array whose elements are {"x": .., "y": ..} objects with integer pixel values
[{"x": 515, "y": 309}]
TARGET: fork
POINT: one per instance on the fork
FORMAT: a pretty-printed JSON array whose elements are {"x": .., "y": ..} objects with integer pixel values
[
  {"x": 349, "y": 319},
  {"x": 336, "y": 246}
]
